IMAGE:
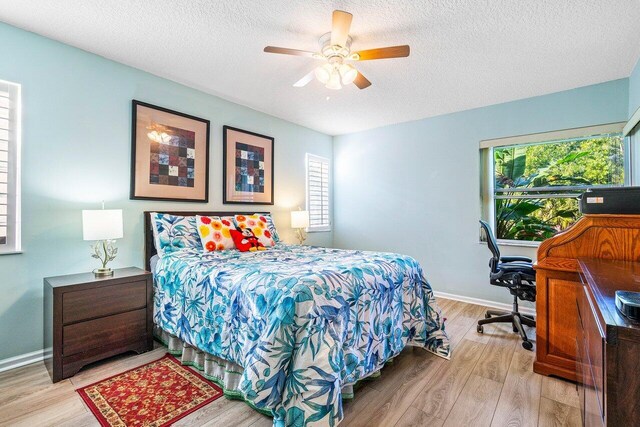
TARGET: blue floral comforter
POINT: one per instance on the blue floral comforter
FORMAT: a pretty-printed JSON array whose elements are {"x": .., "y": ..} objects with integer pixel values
[{"x": 302, "y": 321}]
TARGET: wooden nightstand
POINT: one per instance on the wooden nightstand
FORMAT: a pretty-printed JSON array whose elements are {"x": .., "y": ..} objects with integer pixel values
[{"x": 87, "y": 318}]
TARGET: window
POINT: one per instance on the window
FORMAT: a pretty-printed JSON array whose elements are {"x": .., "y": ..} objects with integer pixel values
[
  {"x": 9, "y": 167},
  {"x": 535, "y": 180},
  {"x": 318, "y": 193}
]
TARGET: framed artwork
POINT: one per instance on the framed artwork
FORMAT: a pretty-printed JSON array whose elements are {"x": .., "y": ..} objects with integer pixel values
[
  {"x": 169, "y": 155},
  {"x": 247, "y": 167}
]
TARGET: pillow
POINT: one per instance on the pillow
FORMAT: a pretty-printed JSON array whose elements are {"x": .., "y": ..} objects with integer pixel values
[
  {"x": 271, "y": 226},
  {"x": 245, "y": 240},
  {"x": 258, "y": 226},
  {"x": 215, "y": 232},
  {"x": 174, "y": 232}
]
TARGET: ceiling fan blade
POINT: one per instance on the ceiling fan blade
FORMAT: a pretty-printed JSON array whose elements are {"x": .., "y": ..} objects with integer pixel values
[
  {"x": 340, "y": 28},
  {"x": 361, "y": 81},
  {"x": 382, "y": 53},
  {"x": 305, "y": 80},
  {"x": 287, "y": 51}
]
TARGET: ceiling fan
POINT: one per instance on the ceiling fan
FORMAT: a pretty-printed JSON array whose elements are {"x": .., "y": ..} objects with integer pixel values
[{"x": 335, "y": 50}]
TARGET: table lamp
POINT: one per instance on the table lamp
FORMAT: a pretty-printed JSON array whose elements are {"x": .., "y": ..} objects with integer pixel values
[
  {"x": 103, "y": 226},
  {"x": 300, "y": 221}
]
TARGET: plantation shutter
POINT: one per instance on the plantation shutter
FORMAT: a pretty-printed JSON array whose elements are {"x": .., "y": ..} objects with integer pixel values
[
  {"x": 5, "y": 103},
  {"x": 318, "y": 193},
  {"x": 9, "y": 136}
]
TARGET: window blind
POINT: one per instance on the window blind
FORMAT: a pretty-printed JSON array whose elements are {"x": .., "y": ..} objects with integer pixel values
[
  {"x": 9, "y": 163},
  {"x": 318, "y": 193}
]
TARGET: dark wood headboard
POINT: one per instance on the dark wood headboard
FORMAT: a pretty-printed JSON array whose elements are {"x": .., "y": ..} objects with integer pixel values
[{"x": 149, "y": 245}]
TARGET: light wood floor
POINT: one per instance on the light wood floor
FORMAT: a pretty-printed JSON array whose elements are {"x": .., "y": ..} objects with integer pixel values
[{"x": 488, "y": 382}]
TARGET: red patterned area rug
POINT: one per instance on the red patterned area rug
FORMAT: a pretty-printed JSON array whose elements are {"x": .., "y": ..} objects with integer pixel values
[{"x": 152, "y": 395}]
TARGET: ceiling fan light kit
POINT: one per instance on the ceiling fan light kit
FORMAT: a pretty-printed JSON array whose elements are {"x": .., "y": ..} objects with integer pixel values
[
  {"x": 335, "y": 49},
  {"x": 335, "y": 73}
]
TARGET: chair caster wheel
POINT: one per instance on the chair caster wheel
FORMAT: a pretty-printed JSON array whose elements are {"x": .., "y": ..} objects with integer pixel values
[
  {"x": 480, "y": 329},
  {"x": 527, "y": 345},
  {"x": 487, "y": 316}
]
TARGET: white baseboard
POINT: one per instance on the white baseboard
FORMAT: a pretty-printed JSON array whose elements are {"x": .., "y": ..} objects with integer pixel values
[
  {"x": 484, "y": 302},
  {"x": 40, "y": 355},
  {"x": 24, "y": 359}
]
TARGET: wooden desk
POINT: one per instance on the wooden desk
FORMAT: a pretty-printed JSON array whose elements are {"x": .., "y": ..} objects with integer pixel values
[
  {"x": 611, "y": 237},
  {"x": 608, "y": 345}
]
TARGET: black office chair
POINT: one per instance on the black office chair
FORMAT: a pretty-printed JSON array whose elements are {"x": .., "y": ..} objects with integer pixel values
[{"x": 517, "y": 274}]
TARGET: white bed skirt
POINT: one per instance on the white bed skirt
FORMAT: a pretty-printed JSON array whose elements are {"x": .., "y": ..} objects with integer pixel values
[{"x": 225, "y": 374}]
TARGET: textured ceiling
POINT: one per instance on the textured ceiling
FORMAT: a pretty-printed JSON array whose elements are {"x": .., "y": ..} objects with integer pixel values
[{"x": 464, "y": 54}]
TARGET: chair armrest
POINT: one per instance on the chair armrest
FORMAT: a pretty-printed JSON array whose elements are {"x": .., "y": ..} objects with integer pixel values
[{"x": 515, "y": 258}]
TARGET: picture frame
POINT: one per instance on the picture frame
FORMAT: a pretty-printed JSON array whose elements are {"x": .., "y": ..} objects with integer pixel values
[
  {"x": 169, "y": 155},
  {"x": 247, "y": 171}
]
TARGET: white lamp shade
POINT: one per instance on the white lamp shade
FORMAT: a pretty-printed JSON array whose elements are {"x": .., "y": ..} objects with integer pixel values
[
  {"x": 334, "y": 81},
  {"x": 299, "y": 219},
  {"x": 323, "y": 73},
  {"x": 348, "y": 74},
  {"x": 103, "y": 224}
]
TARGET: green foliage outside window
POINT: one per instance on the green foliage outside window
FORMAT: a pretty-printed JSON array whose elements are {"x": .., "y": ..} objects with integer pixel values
[{"x": 537, "y": 185}]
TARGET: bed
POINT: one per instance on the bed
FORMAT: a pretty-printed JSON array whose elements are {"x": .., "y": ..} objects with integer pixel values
[{"x": 290, "y": 330}]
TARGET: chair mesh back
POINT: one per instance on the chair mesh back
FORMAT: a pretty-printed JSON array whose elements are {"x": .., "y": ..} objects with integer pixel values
[{"x": 491, "y": 241}]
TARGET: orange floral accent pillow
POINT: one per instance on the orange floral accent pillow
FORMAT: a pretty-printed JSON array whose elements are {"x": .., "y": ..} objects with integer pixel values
[
  {"x": 258, "y": 225},
  {"x": 215, "y": 232}
]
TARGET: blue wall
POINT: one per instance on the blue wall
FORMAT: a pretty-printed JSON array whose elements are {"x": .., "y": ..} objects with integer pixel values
[
  {"x": 410, "y": 188},
  {"x": 76, "y": 152},
  {"x": 413, "y": 187}
]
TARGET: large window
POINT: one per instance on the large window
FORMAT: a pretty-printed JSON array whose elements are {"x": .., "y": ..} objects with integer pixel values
[
  {"x": 318, "y": 193},
  {"x": 535, "y": 184},
  {"x": 9, "y": 167}
]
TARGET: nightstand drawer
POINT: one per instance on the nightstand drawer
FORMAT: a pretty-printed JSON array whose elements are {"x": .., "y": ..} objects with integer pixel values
[
  {"x": 103, "y": 301},
  {"x": 102, "y": 332}
]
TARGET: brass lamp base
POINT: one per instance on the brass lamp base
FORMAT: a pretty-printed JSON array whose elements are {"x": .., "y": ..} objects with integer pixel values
[
  {"x": 301, "y": 235},
  {"x": 103, "y": 272},
  {"x": 105, "y": 251}
]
